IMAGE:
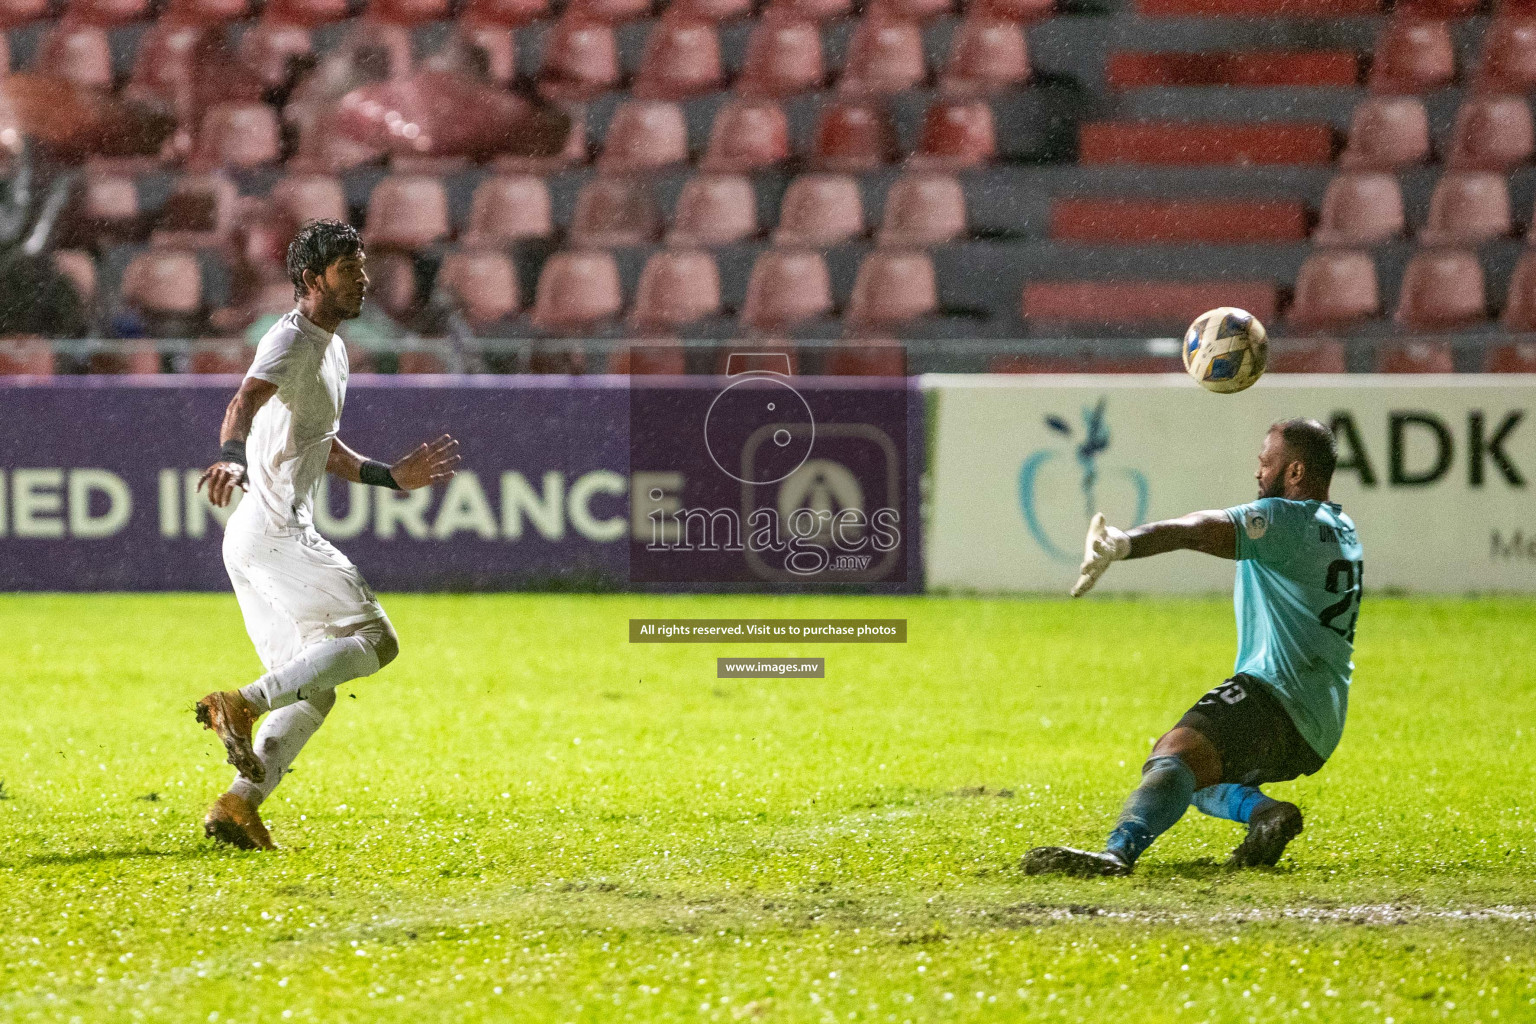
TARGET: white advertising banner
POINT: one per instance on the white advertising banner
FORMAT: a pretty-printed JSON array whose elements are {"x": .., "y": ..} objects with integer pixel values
[{"x": 1437, "y": 473}]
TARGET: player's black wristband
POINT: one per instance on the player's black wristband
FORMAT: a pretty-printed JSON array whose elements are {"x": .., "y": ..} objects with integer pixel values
[
  {"x": 232, "y": 451},
  {"x": 376, "y": 474}
]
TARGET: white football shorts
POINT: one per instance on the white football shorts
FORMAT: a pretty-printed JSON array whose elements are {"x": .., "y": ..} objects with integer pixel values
[{"x": 295, "y": 589}]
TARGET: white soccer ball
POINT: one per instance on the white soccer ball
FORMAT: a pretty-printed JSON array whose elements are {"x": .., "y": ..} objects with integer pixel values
[{"x": 1225, "y": 350}]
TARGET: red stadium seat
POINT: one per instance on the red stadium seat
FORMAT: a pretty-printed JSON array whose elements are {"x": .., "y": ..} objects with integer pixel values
[
  {"x": 682, "y": 59},
  {"x": 1011, "y": 10},
  {"x": 1520, "y": 301},
  {"x": 1320, "y": 355},
  {"x": 820, "y": 209},
  {"x": 787, "y": 287},
  {"x": 956, "y": 134},
  {"x": 747, "y": 135},
  {"x": 165, "y": 63},
  {"x": 714, "y": 209},
  {"x": 304, "y": 13},
  {"x": 867, "y": 357},
  {"x": 1442, "y": 291},
  {"x": 649, "y": 357},
  {"x": 127, "y": 357},
  {"x": 985, "y": 57},
  {"x": 1387, "y": 132},
  {"x": 613, "y": 12},
  {"x": 206, "y": 12},
  {"x": 1437, "y": 8},
  {"x": 419, "y": 361},
  {"x": 1204, "y": 143},
  {"x": 102, "y": 12},
  {"x": 108, "y": 206},
  {"x": 1493, "y": 133},
  {"x": 894, "y": 286},
  {"x": 574, "y": 154},
  {"x": 806, "y": 10},
  {"x": 237, "y": 135},
  {"x": 760, "y": 353},
  {"x": 406, "y": 211},
  {"x": 577, "y": 291},
  {"x": 1468, "y": 208},
  {"x": 923, "y": 208},
  {"x": 1134, "y": 70},
  {"x": 783, "y": 58},
  {"x": 200, "y": 212},
  {"x": 409, "y": 13},
  {"x": 393, "y": 285},
  {"x": 884, "y": 57},
  {"x": 853, "y": 135},
  {"x": 225, "y": 356},
  {"x": 615, "y": 211},
  {"x": 643, "y": 136},
  {"x": 164, "y": 281},
  {"x": 908, "y": 10},
  {"x": 480, "y": 51},
  {"x": 1141, "y": 303},
  {"x": 1416, "y": 357},
  {"x": 504, "y": 13},
  {"x": 507, "y": 208},
  {"x": 581, "y": 60},
  {"x": 79, "y": 268},
  {"x": 1226, "y": 221},
  {"x": 1256, "y": 8},
  {"x": 25, "y": 355},
  {"x": 76, "y": 53},
  {"x": 1517, "y": 358},
  {"x": 1335, "y": 288},
  {"x": 709, "y": 10},
  {"x": 1509, "y": 56},
  {"x": 481, "y": 284},
  {"x": 273, "y": 52},
  {"x": 1414, "y": 56},
  {"x": 1361, "y": 208},
  {"x": 676, "y": 288},
  {"x": 16, "y": 13},
  {"x": 306, "y": 197}
]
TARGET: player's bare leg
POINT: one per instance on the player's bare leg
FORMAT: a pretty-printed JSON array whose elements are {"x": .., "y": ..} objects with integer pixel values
[
  {"x": 231, "y": 717},
  {"x": 233, "y": 820}
]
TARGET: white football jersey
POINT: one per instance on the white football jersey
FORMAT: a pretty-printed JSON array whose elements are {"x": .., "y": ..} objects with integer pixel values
[{"x": 290, "y": 439}]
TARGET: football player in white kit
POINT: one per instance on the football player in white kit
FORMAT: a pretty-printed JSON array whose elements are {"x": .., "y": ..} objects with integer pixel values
[{"x": 312, "y": 618}]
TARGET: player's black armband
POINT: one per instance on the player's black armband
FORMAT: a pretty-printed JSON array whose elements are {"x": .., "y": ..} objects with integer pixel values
[
  {"x": 232, "y": 451},
  {"x": 376, "y": 474}
]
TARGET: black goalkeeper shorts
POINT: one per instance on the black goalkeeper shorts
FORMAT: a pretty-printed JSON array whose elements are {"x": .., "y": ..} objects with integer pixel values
[{"x": 1252, "y": 731}]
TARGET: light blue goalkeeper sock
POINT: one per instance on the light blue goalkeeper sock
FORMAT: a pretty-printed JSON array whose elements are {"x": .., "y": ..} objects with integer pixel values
[
  {"x": 1153, "y": 808},
  {"x": 1233, "y": 802}
]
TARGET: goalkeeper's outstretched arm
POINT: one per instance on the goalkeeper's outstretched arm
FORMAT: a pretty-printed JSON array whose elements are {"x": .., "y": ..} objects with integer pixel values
[{"x": 1210, "y": 532}]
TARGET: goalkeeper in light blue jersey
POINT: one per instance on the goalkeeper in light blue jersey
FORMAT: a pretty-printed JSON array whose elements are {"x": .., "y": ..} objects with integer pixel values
[{"x": 1299, "y": 577}]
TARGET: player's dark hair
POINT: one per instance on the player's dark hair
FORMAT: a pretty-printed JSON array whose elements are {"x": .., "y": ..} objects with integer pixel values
[
  {"x": 317, "y": 245},
  {"x": 1313, "y": 444}
]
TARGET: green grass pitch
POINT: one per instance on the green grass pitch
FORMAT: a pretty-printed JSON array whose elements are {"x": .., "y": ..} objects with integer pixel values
[{"x": 526, "y": 818}]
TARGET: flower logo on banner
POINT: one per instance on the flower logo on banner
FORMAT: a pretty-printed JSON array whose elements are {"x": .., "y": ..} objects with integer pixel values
[{"x": 1043, "y": 494}]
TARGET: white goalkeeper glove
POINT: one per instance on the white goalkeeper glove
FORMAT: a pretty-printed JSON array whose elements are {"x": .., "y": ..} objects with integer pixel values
[{"x": 1105, "y": 544}]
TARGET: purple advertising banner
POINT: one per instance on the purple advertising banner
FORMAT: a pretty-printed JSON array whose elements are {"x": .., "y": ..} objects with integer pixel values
[
  {"x": 98, "y": 485},
  {"x": 767, "y": 478}
]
